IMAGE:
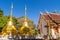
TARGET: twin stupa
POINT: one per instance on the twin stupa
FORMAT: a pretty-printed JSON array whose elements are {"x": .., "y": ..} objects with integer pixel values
[
  {"x": 9, "y": 28},
  {"x": 25, "y": 24}
]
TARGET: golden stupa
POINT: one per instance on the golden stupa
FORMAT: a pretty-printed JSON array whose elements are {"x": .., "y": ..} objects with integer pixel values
[
  {"x": 25, "y": 29},
  {"x": 25, "y": 24},
  {"x": 9, "y": 28}
]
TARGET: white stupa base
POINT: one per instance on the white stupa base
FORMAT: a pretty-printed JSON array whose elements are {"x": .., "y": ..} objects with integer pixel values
[{"x": 4, "y": 37}]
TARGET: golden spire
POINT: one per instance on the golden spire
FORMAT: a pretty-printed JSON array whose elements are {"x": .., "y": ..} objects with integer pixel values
[
  {"x": 11, "y": 12},
  {"x": 10, "y": 20},
  {"x": 25, "y": 20},
  {"x": 25, "y": 13}
]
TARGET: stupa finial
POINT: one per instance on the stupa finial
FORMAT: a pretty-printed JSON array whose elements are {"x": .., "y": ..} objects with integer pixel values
[
  {"x": 11, "y": 12},
  {"x": 25, "y": 13}
]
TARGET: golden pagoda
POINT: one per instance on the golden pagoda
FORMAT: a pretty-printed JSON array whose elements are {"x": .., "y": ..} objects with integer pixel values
[
  {"x": 25, "y": 24},
  {"x": 9, "y": 28},
  {"x": 25, "y": 29}
]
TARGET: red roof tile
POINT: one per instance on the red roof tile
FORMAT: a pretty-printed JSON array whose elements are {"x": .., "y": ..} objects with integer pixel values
[
  {"x": 55, "y": 16},
  {"x": 46, "y": 17}
]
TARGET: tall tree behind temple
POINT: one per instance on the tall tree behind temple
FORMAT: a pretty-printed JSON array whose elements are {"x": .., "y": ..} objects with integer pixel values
[
  {"x": 20, "y": 22},
  {"x": 3, "y": 20},
  {"x": 1, "y": 12}
]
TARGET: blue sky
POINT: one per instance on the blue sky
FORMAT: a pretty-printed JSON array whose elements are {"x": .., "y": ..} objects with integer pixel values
[{"x": 33, "y": 7}]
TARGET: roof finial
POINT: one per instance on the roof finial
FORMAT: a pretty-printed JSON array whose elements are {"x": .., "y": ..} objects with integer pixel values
[
  {"x": 41, "y": 12},
  {"x": 11, "y": 12},
  {"x": 55, "y": 11},
  {"x": 47, "y": 11}
]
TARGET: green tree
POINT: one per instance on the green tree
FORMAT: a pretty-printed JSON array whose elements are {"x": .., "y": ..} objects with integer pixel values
[
  {"x": 26, "y": 30},
  {"x": 1, "y": 12},
  {"x": 20, "y": 22},
  {"x": 3, "y": 20}
]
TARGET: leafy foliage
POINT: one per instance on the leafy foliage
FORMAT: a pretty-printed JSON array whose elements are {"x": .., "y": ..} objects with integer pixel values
[
  {"x": 20, "y": 22},
  {"x": 1, "y": 12},
  {"x": 3, "y": 20},
  {"x": 26, "y": 29}
]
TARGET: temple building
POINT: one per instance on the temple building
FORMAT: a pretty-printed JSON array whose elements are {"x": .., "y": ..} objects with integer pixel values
[
  {"x": 9, "y": 28},
  {"x": 49, "y": 24}
]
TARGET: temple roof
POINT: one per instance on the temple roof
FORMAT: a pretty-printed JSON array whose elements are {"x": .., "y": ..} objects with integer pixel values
[
  {"x": 46, "y": 17},
  {"x": 52, "y": 18},
  {"x": 55, "y": 17}
]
